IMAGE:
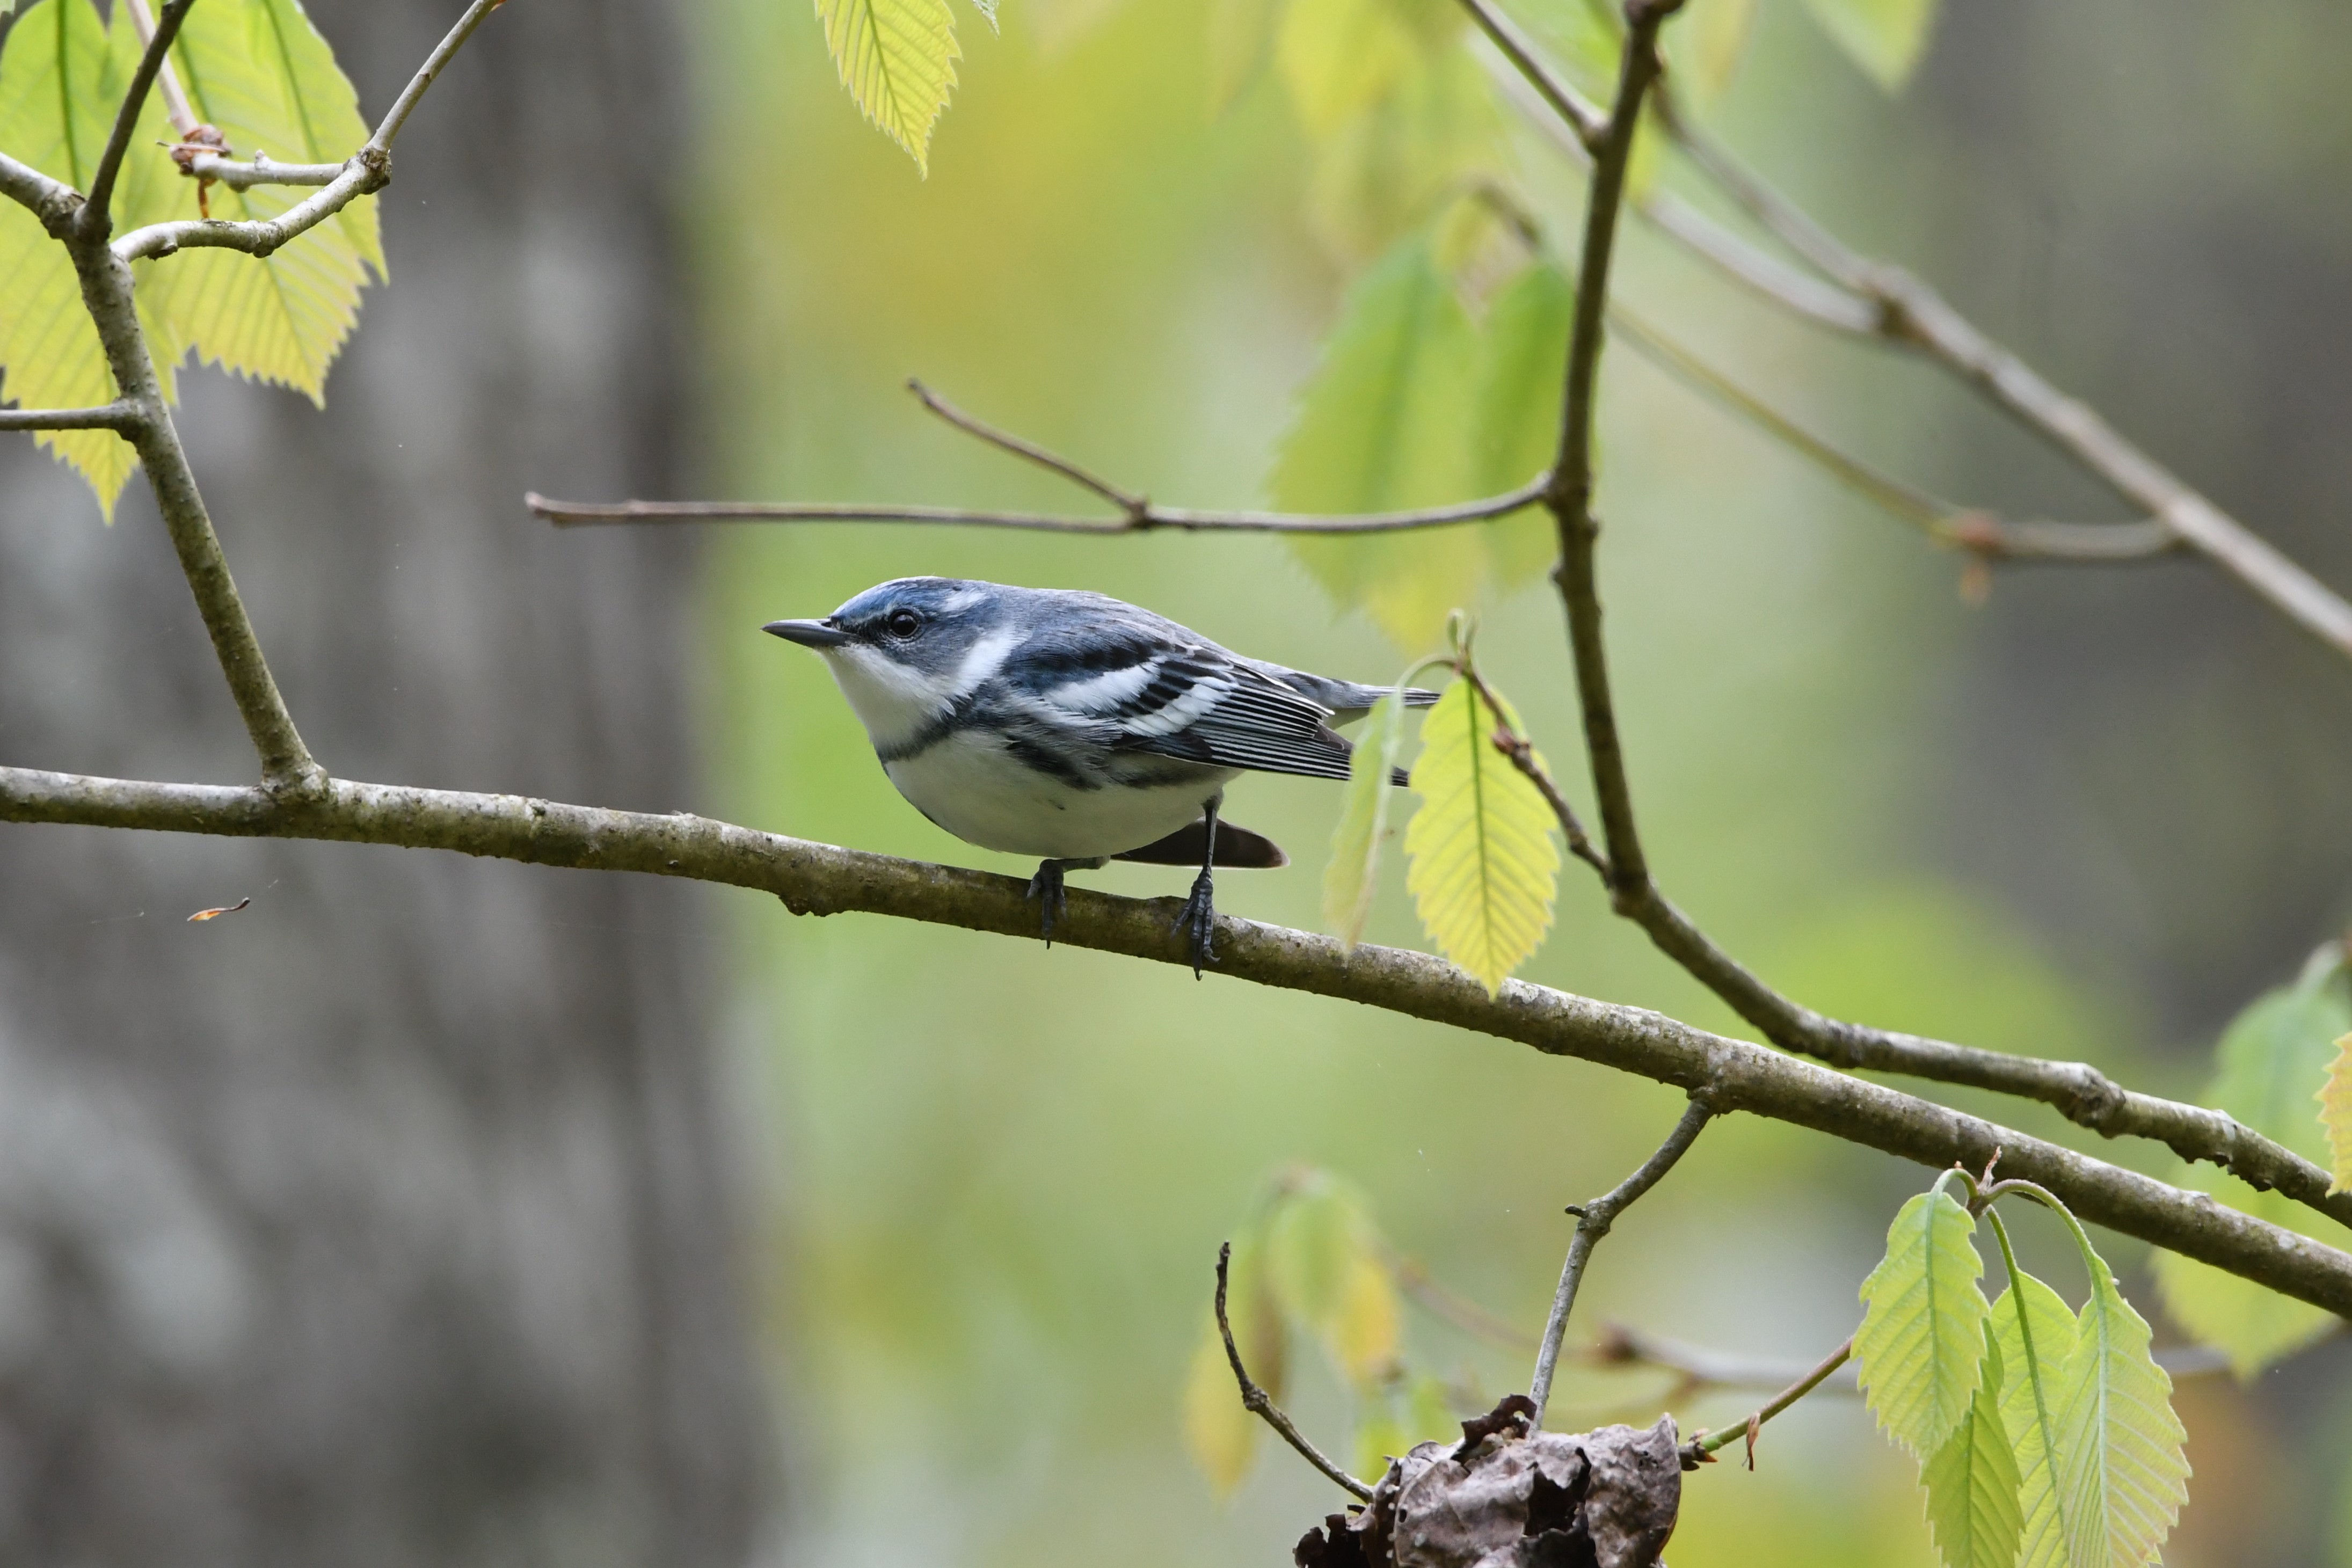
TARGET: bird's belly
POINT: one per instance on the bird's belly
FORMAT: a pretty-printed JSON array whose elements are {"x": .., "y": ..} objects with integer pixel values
[{"x": 969, "y": 785}]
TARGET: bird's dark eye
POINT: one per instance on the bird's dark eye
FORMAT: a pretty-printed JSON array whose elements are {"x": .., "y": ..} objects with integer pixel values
[{"x": 902, "y": 622}]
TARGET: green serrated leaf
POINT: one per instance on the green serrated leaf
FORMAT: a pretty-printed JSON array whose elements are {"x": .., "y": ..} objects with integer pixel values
[
  {"x": 2270, "y": 1058},
  {"x": 1971, "y": 1480},
  {"x": 1885, "y": 38},
  {"x": 2034, "y": 1332},
  {"x": 2335, "y": 1097},
  {"x": 1483, "y": 865},
  {"x": 1522, "y": 363},
  {"x": 1920, "y": 1349},
  {"x": 898, "y": 59},
  {"x": 59, "y": 81},
  {"x": 1220, "y": 1433},
  {"x": 1353, "y": 876},
  {"x": 2119, "y": 1461},
  {"x": 1380, "y": 427},
  {"x": 260, "y": 73}
]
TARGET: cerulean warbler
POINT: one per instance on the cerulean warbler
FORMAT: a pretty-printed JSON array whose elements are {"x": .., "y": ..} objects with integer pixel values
[{"x": 1075, "y": 727}]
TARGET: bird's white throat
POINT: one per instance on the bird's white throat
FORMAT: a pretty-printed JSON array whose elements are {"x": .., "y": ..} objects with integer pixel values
[{"x": 894, "y": 700}]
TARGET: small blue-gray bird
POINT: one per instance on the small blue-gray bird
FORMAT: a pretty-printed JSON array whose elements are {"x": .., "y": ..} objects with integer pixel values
[{"x": 1076, "y": 728}]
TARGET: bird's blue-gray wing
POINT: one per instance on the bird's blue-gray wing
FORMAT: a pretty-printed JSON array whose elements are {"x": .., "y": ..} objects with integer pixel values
[{"x": 1201, "y": 705}]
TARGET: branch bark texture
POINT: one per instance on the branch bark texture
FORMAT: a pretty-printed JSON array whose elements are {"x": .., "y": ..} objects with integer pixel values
[{"x": 819, "y": 878}]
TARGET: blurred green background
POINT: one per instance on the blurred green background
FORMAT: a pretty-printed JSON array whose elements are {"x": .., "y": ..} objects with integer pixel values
[{"x": 998, "y": 1174}]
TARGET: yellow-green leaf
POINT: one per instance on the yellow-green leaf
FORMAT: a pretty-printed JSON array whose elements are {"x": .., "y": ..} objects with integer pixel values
[
  {"x": 1219, "y": 1431},
  {"x": 2335, "y": 1097},
  {"x": 2268, "y": 1061},
  {"x": 2034, "y": 1333},
  {"x": 1380, "y": 427},
  {"x": 1920, "y": 1349},
  {"x": 1885, "y": 38},
  {"x": 1238, "y": 33},
  {"x": 1361, "y": 1331},
  {"x": 1971, "y": 1481},
  {"x": 1337, "y": 56},
  {"x": 2120, "y": 1464},
  {"x": 1522, "y": 370},
  {"x": 898, "y": 59},
  {"x": 1434, "y": 132},
  {"x": 1483, "y": 865},
  {"x": 261, "y": 74},
  {"x": 1353, "y": 876},
  {"x": 59, "y": 82},
  {"x": 1705, "y": 46}
]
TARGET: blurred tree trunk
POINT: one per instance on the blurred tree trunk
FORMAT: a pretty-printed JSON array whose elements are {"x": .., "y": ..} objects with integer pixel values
[{"x": 388, "y": 1221}]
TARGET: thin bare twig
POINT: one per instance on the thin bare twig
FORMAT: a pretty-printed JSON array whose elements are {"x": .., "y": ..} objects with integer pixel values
[
  {"x": 261, "y": 170},
  {"x": 122, "y": 417},
  {"x": 1980, "y": 532},
  {"x": 1592, "y": 1222},
  {"x": 435, "y": 64},
  {"x": 1569, "y": 111},
  {"x": 51, "y": 201},
  {"x": 1126, "y": 501},
  {"x": 1869, "y": 298},
  {"x": 97, "y": 208},
  {"x": 1907, "y": 311},
  {"x": 1696, "y": 1368},
  {"x": 1259, "y": 1403},
  {"x": 1152, "y": 518},
  {"x": 1419, "y": 1285},
  {"x": 1137, "y": 514}
]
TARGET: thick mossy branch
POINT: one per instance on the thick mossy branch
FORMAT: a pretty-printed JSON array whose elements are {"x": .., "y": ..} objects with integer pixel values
[{"x": 817, "y": 879}]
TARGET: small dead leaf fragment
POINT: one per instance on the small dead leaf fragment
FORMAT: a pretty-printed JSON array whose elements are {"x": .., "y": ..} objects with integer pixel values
[{"x": 216, "y": 914}]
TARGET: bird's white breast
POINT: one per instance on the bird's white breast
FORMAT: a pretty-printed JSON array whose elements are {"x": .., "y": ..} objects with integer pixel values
[{"x": 970, "y": 786}]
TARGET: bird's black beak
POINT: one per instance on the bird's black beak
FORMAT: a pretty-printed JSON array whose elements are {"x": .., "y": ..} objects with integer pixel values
[{"x": 816, "y": 634}]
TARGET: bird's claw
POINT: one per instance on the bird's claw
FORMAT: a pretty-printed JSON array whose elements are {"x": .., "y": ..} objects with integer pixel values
[
  {"x": 1051, "y": 889},
  {"x": 1197, "y": 921}
]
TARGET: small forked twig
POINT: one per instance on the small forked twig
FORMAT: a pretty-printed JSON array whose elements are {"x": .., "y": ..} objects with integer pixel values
[
  {"x": 1134, "y": 505},
  {"x": 1592, "y": 1222},
  {"x": 1257, "y": 1400},
  {"x": 1137, "y": 514}
]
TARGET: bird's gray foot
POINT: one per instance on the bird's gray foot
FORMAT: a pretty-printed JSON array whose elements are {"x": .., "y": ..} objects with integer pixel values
[
  {"x": 1050, "y": 888},
  {"x": 1197, "y": 921}
]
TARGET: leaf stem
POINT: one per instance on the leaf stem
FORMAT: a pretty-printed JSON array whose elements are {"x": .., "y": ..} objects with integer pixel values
[{"x": 1708, "y": 1443}]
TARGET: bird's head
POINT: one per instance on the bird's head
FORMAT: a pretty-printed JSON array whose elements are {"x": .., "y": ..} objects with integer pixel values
[{"x": 904, "y": 653}]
